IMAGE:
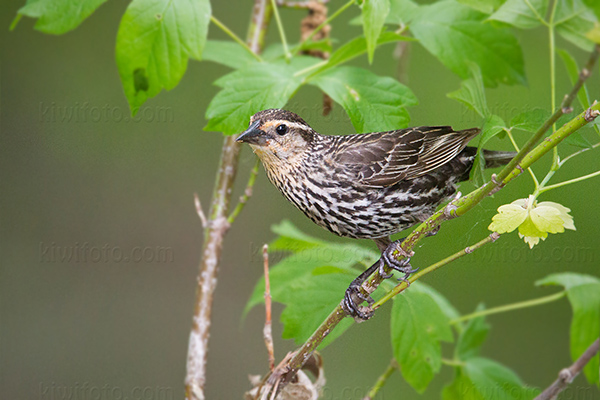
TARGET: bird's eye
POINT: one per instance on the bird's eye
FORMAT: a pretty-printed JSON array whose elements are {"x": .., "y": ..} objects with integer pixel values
[{"x": 281, "y": 129}]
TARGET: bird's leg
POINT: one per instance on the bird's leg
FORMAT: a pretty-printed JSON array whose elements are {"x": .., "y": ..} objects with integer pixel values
[
  {"x": 399, "y": 265},
  {"x": 354, "y": 294}
]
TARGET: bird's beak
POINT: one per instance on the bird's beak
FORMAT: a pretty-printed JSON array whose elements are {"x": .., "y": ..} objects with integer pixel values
[{"x": 253, "y": 135}]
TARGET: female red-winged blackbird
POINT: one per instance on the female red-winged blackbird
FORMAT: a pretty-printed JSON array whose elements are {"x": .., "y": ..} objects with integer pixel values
[{"x": 369, "y": 185}]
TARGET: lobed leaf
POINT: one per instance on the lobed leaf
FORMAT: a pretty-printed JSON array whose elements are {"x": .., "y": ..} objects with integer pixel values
[
  {"x": 256, "y": 87},
  {"x": 531, "y": 120},
  {"x": 484, "y": 6},
  {"x": 472, "y": 92},
  {"x": 227, "y": 53},
  {"x": 418, "y": 327},
  {"x": 456, "y": 34},
  {"x": 59, "y": 16},
  {"x": 373, "y": 103},
  {"x": 492, "y": 126},
  {"x": 154, "y": 41}
]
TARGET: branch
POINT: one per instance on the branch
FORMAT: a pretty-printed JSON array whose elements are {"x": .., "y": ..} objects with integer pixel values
[
  {"x": 566, "y": 376},
  {"x": 382, "y": 380},
  {"x": 215, "y": 230},
  {"x": 247, "y": 193},
  {"x": 267, "y": 331},
  {"x": 283, "y": 375}
]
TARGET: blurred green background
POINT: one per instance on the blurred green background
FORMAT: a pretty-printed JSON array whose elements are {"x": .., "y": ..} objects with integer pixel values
[{"x": 78, "y": 173}]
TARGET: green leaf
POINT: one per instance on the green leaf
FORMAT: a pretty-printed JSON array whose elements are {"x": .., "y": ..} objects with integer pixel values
[
  {"x": 573, "y": 20},
  {"x": 456, "y": 34},
  {"x": 583, "y": 292},
  {"x": 523, "y": 14},
  {"x": 472, "y": 337},
  {"x": 531, "y": 120},
  {"x": 374, "y": 13},
  {"x": 492, "y": 380},
  {"x": 472, "y": 92},
  {"x": 373, "y": 103},
  {"x": 484, "y": 6},
  {"x": 401, "y": 12},
  {"x": 357, "y": 47},
  {"x": 59, "y": 16},
  {"x": 154, "y": 42},
  {"x": 418, "y": 327},
  {"x": 461, "y": 388},
  {"x": 492, "y": 126},
  {"x": 227, "y": 53},
  {"x": 292, "y": 239},
  {"x": 256, "y": 87}
]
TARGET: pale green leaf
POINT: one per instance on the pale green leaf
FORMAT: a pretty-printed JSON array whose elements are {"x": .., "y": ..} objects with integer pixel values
[
  {"x": 457, "y": 34},
  {"x": 509, "y": 217},
  {"x": 59, "y": 16},
  {"x": 373, "y": 103},
  {"x": 524, "y": 14},
  {"x": 374, "y": 13},
  {"x": 547, "y": 219},
  {"x": 256, "y": 87},
  {"x": 418, "y": 327},
  {"x": 154, "y": 42},
  {"x": 583, "y": 292},
  {"x": 563, "y": 213}
]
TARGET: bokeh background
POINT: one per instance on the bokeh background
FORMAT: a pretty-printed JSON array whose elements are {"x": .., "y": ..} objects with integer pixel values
[{"x": 78, "y": 173}]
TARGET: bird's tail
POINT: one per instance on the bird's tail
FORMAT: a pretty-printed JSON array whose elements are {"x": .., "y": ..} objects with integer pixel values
[{"x": 495, "y": 158}]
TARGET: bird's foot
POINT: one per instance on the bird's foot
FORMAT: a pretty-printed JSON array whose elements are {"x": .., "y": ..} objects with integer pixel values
[
  {"x": 355, "y": 295},
  {"x": 390, "y": 259},
  {"x": 450, "y": 209}
]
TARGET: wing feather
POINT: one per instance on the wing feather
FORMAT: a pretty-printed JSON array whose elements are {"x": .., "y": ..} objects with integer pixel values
[{"x": 384, "y": 158}]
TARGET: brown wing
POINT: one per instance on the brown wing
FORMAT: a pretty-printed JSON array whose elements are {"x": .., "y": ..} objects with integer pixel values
[{"x": 384, "y": 158}]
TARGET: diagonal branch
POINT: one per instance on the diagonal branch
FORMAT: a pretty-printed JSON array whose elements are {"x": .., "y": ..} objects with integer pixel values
[
  {"x": 566, "y": 375},
  {"x": 215, "y": 230},
  {"x": 282, "y": 375}
]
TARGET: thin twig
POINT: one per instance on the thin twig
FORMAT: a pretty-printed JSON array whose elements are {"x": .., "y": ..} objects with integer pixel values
[
  {"x": 382, "y": 380},
  {"x": 200, "y": 211},
  {"x": 267, "y": 332},
  {"x": 217, "y": 226},
  {"x": 566, "y": 375},
  {"x": 235, "y": 37},
  {"x": 511, "y": 307},
  {"x": 247, "y": 193}
]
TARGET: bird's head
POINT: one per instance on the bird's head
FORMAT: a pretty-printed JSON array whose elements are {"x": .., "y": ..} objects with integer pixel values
[{"x": 280, "y": 138}]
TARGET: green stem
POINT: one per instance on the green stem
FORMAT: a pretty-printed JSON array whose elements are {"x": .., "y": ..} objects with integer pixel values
[
  {"x": 565, "y": 183},
  {"x": 570, "y": 156},
  {"x": 15, "y": 21},
  {"x": 452, "y": 363},
  {"x": 403, "y": 285},
  {"x": 514, "y": 143},
  {"x": 247, "y": 193},
  {"x": 311, "y": 68},
  {"x": 236, "y": 38},
  {"x": 286, "y": 50},
  {"x": 382, "y": 380},
  {"x": 552, "y": 45},
  {"x": 323, "y": 25},
  {"x": 511, "y": 307}
]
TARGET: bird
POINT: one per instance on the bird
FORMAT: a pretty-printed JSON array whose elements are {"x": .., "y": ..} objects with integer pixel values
[{"x": 365, "y": 186}]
